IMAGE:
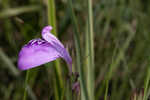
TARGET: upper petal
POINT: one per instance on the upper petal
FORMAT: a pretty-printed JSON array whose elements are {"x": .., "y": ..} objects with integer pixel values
[
  {"x": 57, "y": 45},
  {"x": 35, "y": 53},
  {"x": 48, "y": 36}
]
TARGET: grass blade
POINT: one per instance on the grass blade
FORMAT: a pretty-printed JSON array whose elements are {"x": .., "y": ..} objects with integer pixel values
[
  {"x": 146, "y": 84},
  {"x": 120, "y": 55},
  {"x": 84, "y": 95},
  {"x": 16, "y": 11},
  {"x": 9, "y": 63}
]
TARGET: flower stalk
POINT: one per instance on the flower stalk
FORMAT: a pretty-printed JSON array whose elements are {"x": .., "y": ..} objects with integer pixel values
[{"x": 90, "y": 52}]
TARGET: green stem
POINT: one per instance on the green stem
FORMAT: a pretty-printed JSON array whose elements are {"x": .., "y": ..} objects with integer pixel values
[
  {"x": 52, "y": 16},
  {"x": 52, "y": 22},
  {"x": 26, "y": 82},
  {"x": 90, "y": 52}
]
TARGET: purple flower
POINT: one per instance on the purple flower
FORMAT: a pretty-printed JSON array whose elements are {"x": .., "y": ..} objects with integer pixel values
[
  {"x": 76, "y": 87},
  {"x": 40, "y": 51}
]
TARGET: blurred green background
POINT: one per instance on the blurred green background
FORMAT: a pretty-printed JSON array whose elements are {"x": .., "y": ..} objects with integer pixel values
[{"x": 121, "y": 45}]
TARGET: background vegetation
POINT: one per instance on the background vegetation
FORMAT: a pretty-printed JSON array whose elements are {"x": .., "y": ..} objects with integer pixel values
[{"x": 121, "y": 47}]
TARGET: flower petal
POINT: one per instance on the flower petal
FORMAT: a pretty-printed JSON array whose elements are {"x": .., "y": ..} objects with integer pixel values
[
  {"x": 35, "y": 53},
  {"x": 57, "y": 45},
  {"x": 41, "y": 51},
  {"x": 49, "y": 36}
]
